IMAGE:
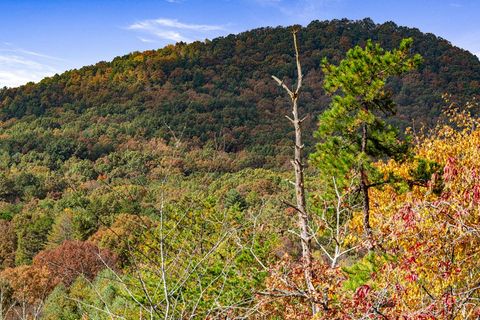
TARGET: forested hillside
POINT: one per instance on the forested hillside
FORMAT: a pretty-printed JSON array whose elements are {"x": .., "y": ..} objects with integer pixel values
[
  {"x": 220, "y": 91},
  {"x": 160, "y": 185}
]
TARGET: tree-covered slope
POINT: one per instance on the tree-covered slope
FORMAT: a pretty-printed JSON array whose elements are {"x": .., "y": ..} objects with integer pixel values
[{"x": 220, "y": 91}]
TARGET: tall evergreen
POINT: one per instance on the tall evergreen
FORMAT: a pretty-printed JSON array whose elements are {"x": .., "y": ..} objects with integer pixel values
[{"x": 353, "y": 131}]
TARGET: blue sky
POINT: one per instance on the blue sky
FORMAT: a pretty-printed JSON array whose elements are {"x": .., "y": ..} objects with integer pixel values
[{"x": 39, "y": 38}]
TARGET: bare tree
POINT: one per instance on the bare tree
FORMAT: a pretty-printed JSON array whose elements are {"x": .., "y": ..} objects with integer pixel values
[
  {"x": 336, "y": 226},
  {"x": 297, "y": 162}
]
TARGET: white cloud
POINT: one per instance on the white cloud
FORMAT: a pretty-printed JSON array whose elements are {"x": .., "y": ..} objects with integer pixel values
[
  {"x": 19, "y": 66},
  {"x": 146, "y": 40},
  {"x": 174, "y": 30}
]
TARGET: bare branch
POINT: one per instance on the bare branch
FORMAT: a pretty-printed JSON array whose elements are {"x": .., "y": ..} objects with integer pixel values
[
  {"x": 284, "y": 86},
  {"x": 297, "y": 59}
]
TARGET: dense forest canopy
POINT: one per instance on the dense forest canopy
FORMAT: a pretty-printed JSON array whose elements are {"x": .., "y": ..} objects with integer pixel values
[{"x": 219, "y": 91}]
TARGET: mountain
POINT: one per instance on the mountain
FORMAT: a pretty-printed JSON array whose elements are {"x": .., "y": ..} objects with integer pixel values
[{"x": 219, "y": 92}]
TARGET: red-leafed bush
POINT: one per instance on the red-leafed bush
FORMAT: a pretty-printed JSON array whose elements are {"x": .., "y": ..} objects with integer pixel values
[{"x": 74, "y": 258}]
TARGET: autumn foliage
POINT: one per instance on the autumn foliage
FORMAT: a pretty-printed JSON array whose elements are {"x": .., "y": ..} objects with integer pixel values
[
  {"x": 434, "y": 235},
  {"x": 427, "y": 264},
  {"x": 72, "y": 259},
  {"x": 29, "y": 285}
]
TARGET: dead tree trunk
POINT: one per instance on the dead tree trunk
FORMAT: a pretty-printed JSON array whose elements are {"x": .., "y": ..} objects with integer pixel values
[{"x": 298, "y": 166}]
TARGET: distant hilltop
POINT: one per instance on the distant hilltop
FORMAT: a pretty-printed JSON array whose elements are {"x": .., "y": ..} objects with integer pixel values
[{"x": 222, "y": 87}]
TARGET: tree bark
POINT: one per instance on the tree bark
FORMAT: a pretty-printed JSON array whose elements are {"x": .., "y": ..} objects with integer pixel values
[{"x": 364, "y": 187}]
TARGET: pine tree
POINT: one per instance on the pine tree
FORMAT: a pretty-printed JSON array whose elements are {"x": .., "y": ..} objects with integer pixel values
[{"x": 353, "y": 132}]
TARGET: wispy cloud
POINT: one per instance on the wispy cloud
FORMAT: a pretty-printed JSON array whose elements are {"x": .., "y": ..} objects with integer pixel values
[
  {"x": 19, "y": 66},
  {"x": 146, "y": 40},
  {"x": 174, "y": 30}
]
